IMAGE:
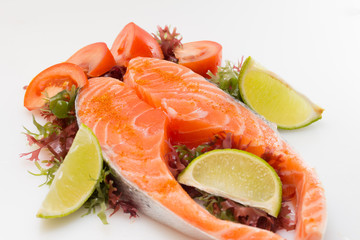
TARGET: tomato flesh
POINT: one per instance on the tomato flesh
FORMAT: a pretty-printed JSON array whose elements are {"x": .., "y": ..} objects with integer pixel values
[
  {"x": 200, "y": 56},
  {"x": 95, "y": 59},
  {"x": 51, "y": 81},
  {"x": 132, "y": 42}
]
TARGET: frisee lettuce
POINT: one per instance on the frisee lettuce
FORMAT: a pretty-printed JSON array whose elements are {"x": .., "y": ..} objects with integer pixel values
[
  {"x": 44, "y": 131},
  {"x": 168, "y": 41},
  {"x": 100, "y": 196},
  {"x": 212, "y": 203},
  {"x": 48, "y": 172},
  {"x": 227, "y": 78}
]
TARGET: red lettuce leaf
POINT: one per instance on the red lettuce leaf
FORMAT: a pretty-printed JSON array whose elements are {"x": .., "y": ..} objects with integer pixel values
[
  {"x": 168, "y": 42},
  {"x": 116, "y": 202}
]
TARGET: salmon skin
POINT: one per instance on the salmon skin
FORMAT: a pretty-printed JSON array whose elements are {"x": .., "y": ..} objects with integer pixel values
[
  {"x": 133, "y": 135},
  {"x": 197, "y": 110}
]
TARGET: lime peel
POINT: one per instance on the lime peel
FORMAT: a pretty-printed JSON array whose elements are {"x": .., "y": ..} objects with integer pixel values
[
  {"x": 237, "y": 175},
  {"x": 270, "y": 96},
  {"x": 76, "y": 177}
]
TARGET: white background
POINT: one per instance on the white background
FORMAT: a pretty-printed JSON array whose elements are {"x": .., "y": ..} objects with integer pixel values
[{"x": 314, "y": 45}]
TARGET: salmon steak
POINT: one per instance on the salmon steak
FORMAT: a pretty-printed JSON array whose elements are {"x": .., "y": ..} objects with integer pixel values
[{"x": 161, "y": 101}]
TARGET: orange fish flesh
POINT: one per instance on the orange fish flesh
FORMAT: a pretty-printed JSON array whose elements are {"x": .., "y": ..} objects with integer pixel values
[
  {"x": 197, "y": 110},
  {"x": 133, "y": 135}
]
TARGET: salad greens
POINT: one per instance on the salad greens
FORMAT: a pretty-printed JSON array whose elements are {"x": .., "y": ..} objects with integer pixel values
[
  {"x": 55, "y": 137},
  {"x": 168, "y": 41},
  {"x": 227, "y": 78}
]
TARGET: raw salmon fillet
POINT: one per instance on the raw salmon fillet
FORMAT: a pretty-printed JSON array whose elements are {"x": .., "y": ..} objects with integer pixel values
[
  {"x": 133, "y": 136},
  {"x": 198, "y": 110}
]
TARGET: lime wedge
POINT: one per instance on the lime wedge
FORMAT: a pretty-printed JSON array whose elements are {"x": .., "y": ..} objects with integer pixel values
[
  {"x": 76, "y": 177},
  {"x": 271, "y": 97},
  {"x": 238, "y": 175}
]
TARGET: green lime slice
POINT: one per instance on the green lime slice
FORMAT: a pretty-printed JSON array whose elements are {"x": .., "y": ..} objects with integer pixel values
[
  {"x": 271, "y": 97},
  {"x": 238, "y": 175},
  {"x": 76, "y": 177}
]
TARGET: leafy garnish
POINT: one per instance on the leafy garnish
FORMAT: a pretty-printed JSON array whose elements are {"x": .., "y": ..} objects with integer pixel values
[
  {"x": 56, "y": 135},
  {"x": 53, "y": 138},
  {"x": 116, "y": 200},
  {"x": 48, "y": 172},
  {"x": 44, "y": 131},
  {"x": 107, "y": 195},
  {"x": 227, "y": 78},
  {"x": 117, "y": 72},
  {"x": 99, "y": 198},
  {"x": 180, "y": 155},
  {"x": 212, "y": 203},
  {"x": 168, "y": 42},
  {"x": 227, "y": 209}
]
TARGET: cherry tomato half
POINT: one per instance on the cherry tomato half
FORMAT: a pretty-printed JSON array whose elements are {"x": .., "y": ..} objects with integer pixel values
[
  {"x": 200, "y": 56},
  {"x": 95, "y": 59},
  {"x": 134, "y": 41},
  {"x": 51, "y": 81}
]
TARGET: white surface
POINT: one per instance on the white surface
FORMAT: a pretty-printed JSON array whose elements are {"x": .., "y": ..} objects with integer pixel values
[{"x": 314, "y": 45}]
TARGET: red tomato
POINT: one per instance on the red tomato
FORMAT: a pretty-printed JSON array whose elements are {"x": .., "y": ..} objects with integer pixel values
[
  {"x": 95, "y": 59},
  {"x": 51, "y": 81},
  {"x": 134, "y": 41},
  {"x": 200, "y": 56}
]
